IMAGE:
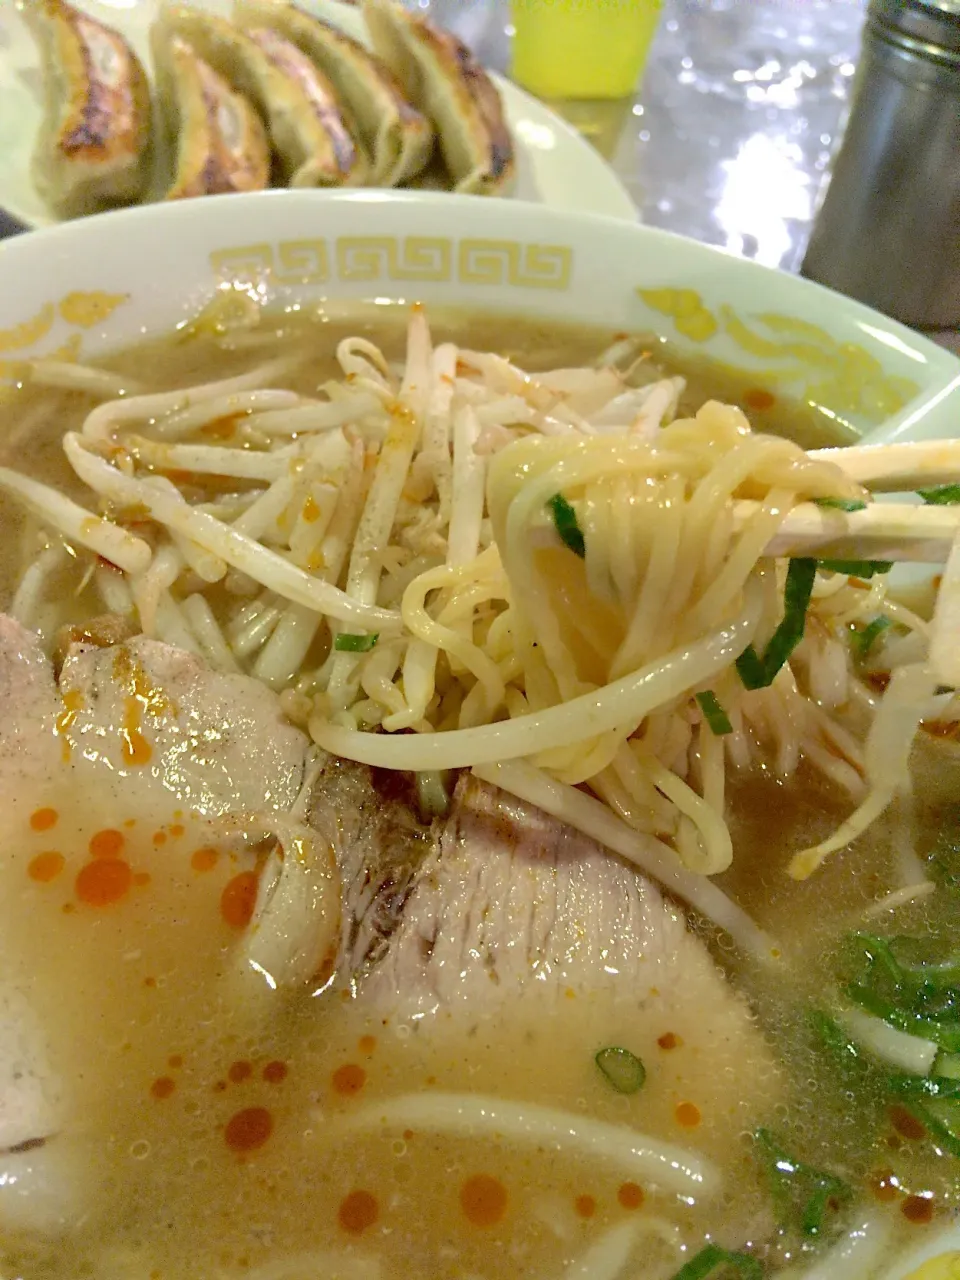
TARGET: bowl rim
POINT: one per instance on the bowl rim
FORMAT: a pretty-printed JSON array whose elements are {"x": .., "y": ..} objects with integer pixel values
[
  {"x": 526, "y": 212},
  {"x": 928, "y": 412}
]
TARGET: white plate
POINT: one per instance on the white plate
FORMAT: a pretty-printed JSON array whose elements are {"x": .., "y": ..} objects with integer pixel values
[{"x": 555, "y": 165}]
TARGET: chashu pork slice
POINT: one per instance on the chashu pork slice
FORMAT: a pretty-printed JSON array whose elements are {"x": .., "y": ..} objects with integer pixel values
[
  {"x": 32, "y": 1104},
  {"x": 503, "y": 912},
  {"x": 514, "y": 900},
  {"x": 370, "y": 816},
  {"x": 153, "y": 715},
  {"x": 137, "y": 728},
  {"x": 218, "y": 742},
  {"x": 529, "y": 942}
]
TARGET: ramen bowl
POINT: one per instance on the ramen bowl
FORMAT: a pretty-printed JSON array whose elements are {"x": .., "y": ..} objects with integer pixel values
[{"x": 83, "y": 289}]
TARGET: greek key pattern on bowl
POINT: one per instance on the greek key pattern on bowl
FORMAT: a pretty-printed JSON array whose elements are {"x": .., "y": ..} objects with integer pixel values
[
  {"x": 419, "y": 258},
  {"x": 407, "y": 259}
]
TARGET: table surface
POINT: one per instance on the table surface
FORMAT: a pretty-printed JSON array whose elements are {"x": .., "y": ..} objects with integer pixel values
[{"x": 730, "y": 135}]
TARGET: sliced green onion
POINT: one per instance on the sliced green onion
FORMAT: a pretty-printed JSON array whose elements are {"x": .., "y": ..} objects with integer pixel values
[
  {"x": 863, "y": 641},
  {"x": 946, "y": 1066},
  {"x": 796, "y": 599},
  {"x": 756, "y": 672},
  {"x": 751, "y": 670},
  {"x": 841, "y": 504},
  {"x": 621, "y": 1068},
  {"x": 927, "y": 960},
  {"x": 803, "y": 1193},
  {"x": 830, "y": 1033},
  {"x": 913, "y": 984},
  {"x": 713, "y": 713},
  {"x": 873, "y": 962},
  {"x": 921, "y": 1087},
  {"x": 347, "y": 643},
  {"x": 892, "y": 983},
  {"x": 942, "y": 1031},
  {"x": 709, "y": 1261},
  {"x": 941, "y": 1118},
  {"x": 568, "y": 528},
  {"x": 857, "y": 568},
  {"x": 814, "y": 1212},
  {"x": 433, "y": 799},
  {"x": 945, "y": 495}
]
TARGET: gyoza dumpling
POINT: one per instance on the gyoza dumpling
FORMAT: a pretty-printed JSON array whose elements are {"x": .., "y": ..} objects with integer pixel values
[
  {"x": 341, "y": 161},
  {"x": 441, "y": 76},
  {"x": 398, "y": 138},
  {"x": 94, "y": 148},
  {"x": 309, "y": 135},
  {"x": 216, "y": 137}
]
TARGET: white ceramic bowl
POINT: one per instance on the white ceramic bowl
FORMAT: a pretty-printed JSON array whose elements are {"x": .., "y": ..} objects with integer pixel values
[{"x": 89, "y": 286}]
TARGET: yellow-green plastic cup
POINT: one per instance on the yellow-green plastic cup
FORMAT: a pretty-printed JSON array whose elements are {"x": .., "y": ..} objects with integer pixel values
[{"x": 582, "y": 48}]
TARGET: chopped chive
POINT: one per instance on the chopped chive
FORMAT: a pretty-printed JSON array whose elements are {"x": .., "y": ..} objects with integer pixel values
[
  {"x": 751, "y": 670},
  {"x": 947, "y": 1067},
  {"x": 945, "y": 495},
  {"x": 857, "y": 568},
  {"x": 822, "y": 1198},
  {"x": 833, "y": 1037},
  {"x": 869, "y": 961},
  {"x": 944, "y": 1032},
  {"x": 911, "y": 984},
  {"x": 796, "y": 598},
  {"x": 621, "y": 1068},
  {"x": 803, "y": 1193},
  {"x": 713, "y": 713},
  {"x": 941, "y": 1118},
  {"x": 927, "y": 960},
  {"x": 890, "y": 981},
  {"x": 347, "y": 643},
  {"x": 709, "y": 1261},
  {"x": 863, "y": 641},
  {"x": 841, "y": 504},
  {"x": 920, "y": 1087},
  {"x": 757, "y": 673},
  {"x": 565, "y": 519}
]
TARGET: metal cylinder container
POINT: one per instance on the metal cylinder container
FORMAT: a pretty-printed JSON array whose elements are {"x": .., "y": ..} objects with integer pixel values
[{"x": 888, "y": 231}]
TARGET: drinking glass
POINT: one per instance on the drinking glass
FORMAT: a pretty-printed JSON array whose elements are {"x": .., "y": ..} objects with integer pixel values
[{"x": 581, "y": 48}]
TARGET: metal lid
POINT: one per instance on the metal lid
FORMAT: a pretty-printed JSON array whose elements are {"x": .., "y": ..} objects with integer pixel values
[{"x": 930, "y": 22}]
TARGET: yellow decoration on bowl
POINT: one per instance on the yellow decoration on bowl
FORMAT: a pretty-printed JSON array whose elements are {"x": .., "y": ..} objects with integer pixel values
[
  {"x": 87, "y": 309},
  {"x": 29, "y": 331},
  {"x": 68, "y": 351},
  {"x": 13, "y": 370},
  {"x": 686, "y": 308},
  {"x": 946, "y": 1266},
  {"x": 25, "y": 335},
  {"x": 842, "y": 377}
]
